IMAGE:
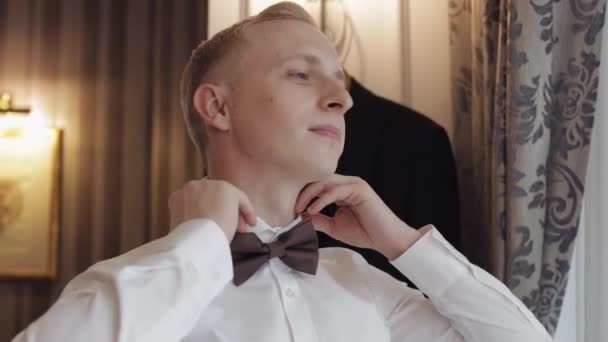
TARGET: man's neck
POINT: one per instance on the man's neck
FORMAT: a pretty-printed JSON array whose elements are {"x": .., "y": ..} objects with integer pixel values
[{"x": 273, "y": 201}]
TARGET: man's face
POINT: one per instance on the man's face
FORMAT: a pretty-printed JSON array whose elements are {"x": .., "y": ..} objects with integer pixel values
[{"x": 288, "y": 104}]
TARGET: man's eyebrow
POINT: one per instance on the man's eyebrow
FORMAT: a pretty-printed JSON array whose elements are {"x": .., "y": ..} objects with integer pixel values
[{"x": 315, "y": 60}]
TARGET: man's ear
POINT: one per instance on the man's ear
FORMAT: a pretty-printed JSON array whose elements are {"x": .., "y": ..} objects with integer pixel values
[{"x": 210, "y": 103}]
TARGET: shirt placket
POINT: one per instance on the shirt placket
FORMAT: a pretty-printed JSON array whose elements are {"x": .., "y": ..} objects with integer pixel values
[{"x": 294, "y": 305}]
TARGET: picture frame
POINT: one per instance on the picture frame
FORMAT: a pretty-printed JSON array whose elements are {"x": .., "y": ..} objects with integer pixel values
[{"x": 29, "y": 201}]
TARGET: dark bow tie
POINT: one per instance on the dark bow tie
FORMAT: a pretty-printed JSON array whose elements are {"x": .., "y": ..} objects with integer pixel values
[{"x": 298, "y": 248}]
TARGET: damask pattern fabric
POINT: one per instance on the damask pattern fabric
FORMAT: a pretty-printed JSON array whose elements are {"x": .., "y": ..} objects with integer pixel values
[{"x": 525, "y": 77}]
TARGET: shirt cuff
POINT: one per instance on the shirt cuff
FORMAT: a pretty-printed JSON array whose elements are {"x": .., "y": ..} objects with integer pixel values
[
  {"x": 431, "y": 263},
  {"x": 204, "y": 244}
]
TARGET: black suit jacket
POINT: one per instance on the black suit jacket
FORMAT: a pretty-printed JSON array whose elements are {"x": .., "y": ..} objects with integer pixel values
[{"x": 407, "y": 159}]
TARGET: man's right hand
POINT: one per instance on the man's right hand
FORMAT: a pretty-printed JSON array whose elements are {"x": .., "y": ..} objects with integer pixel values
[{"x": 217, "y": 200}]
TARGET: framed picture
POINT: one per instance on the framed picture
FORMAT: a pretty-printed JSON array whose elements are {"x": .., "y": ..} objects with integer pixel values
[{"x": 29, "y": 201}]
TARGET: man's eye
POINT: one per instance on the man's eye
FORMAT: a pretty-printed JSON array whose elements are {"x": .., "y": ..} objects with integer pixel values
[{"x": 300, "y": 75}]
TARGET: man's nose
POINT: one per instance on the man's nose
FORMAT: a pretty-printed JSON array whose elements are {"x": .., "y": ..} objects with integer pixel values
[{"x": 336, "y": 99}]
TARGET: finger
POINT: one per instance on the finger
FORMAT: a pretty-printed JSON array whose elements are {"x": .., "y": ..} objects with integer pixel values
[
  {"x": 310, "y": 191},
  {"x": 242, "y": 225},
  {"x": 315, "y": 189},
  {"x": 323, "y": 223},
  {"x": 337, "y": 194},
  {"x": 246, "y": 209}
]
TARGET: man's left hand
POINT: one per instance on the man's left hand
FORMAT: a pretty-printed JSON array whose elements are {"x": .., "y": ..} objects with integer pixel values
[{"x": 363, "y": 219}]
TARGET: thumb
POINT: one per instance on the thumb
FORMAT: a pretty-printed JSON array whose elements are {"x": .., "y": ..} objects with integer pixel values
[
  {"x": 322, "y": 223},
  {"x": 242, "y": 225}
]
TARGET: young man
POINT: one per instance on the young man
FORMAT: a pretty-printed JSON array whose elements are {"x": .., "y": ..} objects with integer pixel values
[{"x": 264, "y": 101}]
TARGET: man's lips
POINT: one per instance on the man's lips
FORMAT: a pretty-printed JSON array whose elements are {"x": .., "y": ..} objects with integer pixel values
[{"x": 328, "y": 131}]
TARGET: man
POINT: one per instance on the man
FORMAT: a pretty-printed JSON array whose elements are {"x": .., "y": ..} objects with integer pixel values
[{"x": 265, "y": 100}]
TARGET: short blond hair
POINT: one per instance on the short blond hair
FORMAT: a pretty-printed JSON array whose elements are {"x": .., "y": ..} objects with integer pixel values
[{"x": 209, "y": 54}]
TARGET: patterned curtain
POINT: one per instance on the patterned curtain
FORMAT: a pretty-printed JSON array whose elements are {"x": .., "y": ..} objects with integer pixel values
[
  {"x": 525, "y": 79},
  {"x": 108, "y": 73}
]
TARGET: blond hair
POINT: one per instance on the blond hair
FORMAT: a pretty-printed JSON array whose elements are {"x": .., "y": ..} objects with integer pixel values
[{"x": 209, "y": 54}]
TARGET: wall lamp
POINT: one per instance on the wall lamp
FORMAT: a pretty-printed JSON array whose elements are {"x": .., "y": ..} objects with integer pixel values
[{"x": 6, "y": 105}]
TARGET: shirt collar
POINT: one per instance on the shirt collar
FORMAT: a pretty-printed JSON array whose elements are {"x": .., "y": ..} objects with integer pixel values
[{"x": 267, "y": 233}]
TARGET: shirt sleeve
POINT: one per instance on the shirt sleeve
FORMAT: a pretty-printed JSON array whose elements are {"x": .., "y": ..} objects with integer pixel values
[
  {"x": 156, "y": 292},
  {"x": 465, "y": 303}
]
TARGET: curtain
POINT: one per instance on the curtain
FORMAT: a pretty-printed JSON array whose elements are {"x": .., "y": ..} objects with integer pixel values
[
  {"x": 591, "y": 253},
  {"x": 107, "y": 72},
  {"x": 525, "y": 76}
]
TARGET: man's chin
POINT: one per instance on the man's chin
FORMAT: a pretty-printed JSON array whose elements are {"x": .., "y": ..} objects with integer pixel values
[{"x": 320, "y": 171}]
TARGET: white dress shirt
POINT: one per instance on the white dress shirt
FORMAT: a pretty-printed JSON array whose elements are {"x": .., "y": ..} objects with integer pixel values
[{"x": 179, "y": 288}]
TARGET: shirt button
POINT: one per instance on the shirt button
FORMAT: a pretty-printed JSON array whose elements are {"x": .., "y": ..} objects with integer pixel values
[{"x": 290, "y": 293}]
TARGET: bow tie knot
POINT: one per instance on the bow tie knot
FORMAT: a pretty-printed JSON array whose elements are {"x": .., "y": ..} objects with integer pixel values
[
  {"x": 298, "y": 248},
  {"x": 276, "y": 249}
]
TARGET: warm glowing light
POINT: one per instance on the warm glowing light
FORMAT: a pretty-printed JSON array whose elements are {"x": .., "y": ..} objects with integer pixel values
[
  {"x": 23, "y": 133},
  {"x": 33, "y": 121},
  {"x": 24, "y": 140}
]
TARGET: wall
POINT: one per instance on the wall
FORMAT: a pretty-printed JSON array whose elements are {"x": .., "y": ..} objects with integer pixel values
[{"x": 429, "y": 60}]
